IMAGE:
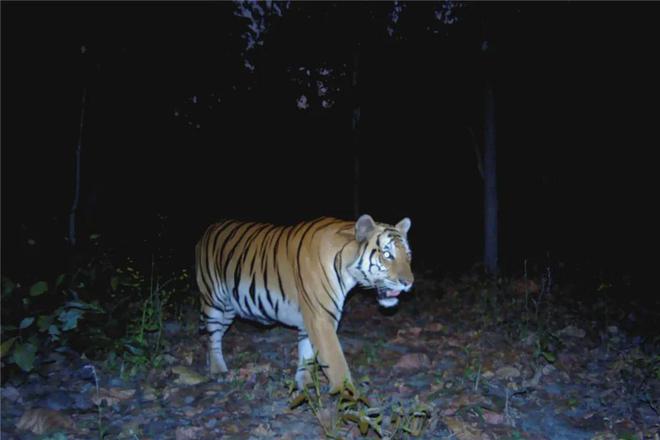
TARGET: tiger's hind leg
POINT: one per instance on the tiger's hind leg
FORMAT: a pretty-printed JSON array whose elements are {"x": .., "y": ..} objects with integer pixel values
[
  {"x": 305, "y": 355},
  {"x": 216, "y": 312},
  {"x": 217, "y": 322}
]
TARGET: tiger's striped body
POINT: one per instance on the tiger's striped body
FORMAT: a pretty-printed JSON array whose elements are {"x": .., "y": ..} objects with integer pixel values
[{"x": 298, "y": 276}]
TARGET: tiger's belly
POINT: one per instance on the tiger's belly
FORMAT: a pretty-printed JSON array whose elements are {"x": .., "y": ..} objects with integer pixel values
[{"x": 266, "y": 307}]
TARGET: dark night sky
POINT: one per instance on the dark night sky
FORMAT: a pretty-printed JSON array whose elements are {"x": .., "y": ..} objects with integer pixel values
[{"x": 577, "y": 113}]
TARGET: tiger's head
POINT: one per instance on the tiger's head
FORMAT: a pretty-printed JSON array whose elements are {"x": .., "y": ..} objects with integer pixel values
[{"x": 384, "y": 259}]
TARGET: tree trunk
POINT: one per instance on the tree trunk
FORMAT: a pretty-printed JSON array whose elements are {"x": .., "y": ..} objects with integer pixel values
[
  {"x": 490, "y": 182},
  {"x": 76, "y": 195},
  {"x": 355, "y": 124}
]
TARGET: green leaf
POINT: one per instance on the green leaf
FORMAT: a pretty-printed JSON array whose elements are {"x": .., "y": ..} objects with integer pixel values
[
  {"x": 39, "y": 288},
  {"x": 94, "y": 237},
  {"x": 70, "y": 318},
  {"x": 93, "y": 307},
  {"x": 59, "y": 280},
  {"x": 44, "y": 321},
  {"x": 114, "y": 282},
  {"x": 137, "y": 351},
  {"x": 6, "y": 346},
  {"x": 24, "y": 355},
  {"x": 363, "y": 424},
  {"x": 550, "y": 357},
  {"x": 8, "y": 286},
  {"x": 298, "y": 400},
  {"x": 56, "y": 436},
  {"x": 54, "y": 332},
  {"x": 26, "y": 322}
]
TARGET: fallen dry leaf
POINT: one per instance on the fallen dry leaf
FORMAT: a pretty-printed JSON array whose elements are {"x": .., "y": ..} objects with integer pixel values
[
  {"x": 232, "y": 428},
  {"x": 40, "y": 421},
  {"x": 410, "y": 332},
  {"x": 606, "y": 436},
  {"x": 192, "y": 412},
  {"x": 461, "y": 401},
  {"x": 403, "y": 389},
  {"x": 187, "y": 433},
  {"x": 507, "y": 372},
  {"x": 572, "y": 331},
  {"x": 462, "y": 430},
  {"x": 262, "y": 431},
  {"x": 451, "y": 341},
  {"x": 434, "y": 327},
  {"x": 112, "y": 396},
  {"x": 534, "y": 381},
  {"x": 11, "y": 393},
  {"x": 521, "y": 287},
  {"x": 187, "y": 376},
  {"x": 548, "y": 369},
  {"x": 168, "y": 393},
  {"x": 149, "y": 393},
  {"x": 492, "y": 417},
  {"x": 408, "y": 336},
  {"x": 251, "y": 369},
  {"x": 413, "y": 361}
]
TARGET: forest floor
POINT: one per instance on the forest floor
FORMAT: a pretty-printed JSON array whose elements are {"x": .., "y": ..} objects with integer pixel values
[{"x": 463, "y": 358}]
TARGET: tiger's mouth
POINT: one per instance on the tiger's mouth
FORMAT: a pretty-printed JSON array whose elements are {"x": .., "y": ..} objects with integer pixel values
[{"x": 387, "y": 297}]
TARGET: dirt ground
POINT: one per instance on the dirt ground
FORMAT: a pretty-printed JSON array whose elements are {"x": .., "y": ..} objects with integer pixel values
[{"x": 473, "y": 360}]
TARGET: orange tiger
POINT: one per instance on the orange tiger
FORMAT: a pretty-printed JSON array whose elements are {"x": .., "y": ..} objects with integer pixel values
[{"x": 298, "y": 276}]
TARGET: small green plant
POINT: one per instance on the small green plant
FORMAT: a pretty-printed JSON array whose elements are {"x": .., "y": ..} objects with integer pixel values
[
  {"x": 99, "y": 308},
  {"x": 99, "y": 408},
  {"x": 515, "y": 435},
  {"x": 352, "y": 408},
  {"x": 49, "y": 316},
  {"x": 412, "y": 420},
  {"x": 372, "y": 351},
  {"x": 547, "y": 345},
  {"x": 56, "y": 436},
  {"x": 472, "y": 372},
  {"x": 143, "y": 343}
]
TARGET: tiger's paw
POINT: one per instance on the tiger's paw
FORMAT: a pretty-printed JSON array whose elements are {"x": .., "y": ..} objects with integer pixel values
[
  {"x": 303, "y": 378},
  {"x": 217, "y": 366},
  {"x": 338, "y": 386}
]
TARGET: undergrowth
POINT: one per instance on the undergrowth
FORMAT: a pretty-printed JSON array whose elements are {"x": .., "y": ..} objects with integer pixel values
[
  {"x": 106, "y": 307},
  {"x": 351, "y": 408}
]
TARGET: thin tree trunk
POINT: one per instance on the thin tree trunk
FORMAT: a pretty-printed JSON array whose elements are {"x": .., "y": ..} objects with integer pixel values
[
  {"x": 477, "y": 152},
  {"x": 355, "y": 124},
  {"x": 490, "y": 182},
  {"x": 76, "y": 194}
]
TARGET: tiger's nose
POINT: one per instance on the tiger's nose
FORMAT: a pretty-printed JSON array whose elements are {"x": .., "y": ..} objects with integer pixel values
[{"x": 407, "y": 284}]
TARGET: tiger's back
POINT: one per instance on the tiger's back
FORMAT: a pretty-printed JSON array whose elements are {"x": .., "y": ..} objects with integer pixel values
[{"x": 254, "y": 269}]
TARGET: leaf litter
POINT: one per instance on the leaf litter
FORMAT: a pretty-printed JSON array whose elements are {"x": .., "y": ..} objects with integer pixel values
[{"x": 469, "y": 359}]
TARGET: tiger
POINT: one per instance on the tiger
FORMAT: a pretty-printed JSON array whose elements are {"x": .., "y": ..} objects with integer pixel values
[{"x": 299, "y": 276}]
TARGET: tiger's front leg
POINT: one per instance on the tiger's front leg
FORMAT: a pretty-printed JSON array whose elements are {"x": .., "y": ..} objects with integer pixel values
[
  {"x": 324, "y": 338},
  {"x": 305, "y": 355}
]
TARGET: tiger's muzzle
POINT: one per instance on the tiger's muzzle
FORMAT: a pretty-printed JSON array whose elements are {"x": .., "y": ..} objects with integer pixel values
[{"x": 388, "y": 296}]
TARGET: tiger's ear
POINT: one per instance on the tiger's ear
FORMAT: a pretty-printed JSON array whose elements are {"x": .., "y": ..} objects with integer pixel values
[
  {"x": 404, "y": 225},
  {"x": 363, "y": 227}
]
